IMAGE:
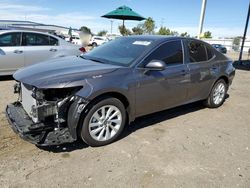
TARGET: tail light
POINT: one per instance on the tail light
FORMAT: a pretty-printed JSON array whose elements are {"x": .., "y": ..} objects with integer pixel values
[{"x": 82, "y": 49}]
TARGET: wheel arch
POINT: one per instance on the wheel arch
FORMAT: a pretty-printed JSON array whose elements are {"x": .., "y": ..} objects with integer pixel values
[
  {"x": 74, "y": 115},
  {"x": 225, "y": 78}
]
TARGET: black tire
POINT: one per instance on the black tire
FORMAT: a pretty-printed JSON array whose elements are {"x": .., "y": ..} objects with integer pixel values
[
  {"x": 210, "y": 102},
  {"x": 94, "y": 45},
  {"x": 84, "y": 125}
]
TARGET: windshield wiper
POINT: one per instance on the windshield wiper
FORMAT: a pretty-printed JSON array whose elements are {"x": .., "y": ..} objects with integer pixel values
[
  {"x": 96, "y": 60},
  {"x": 93, "y": 59}
]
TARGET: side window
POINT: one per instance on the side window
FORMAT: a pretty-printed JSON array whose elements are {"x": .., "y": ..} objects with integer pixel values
[
  {"x": 34, "y": 39},
  {"x": 197, "y": 51},
  {"x": 210, "y": 52},
  {"x": 10, "y": 39},
  {"x": 170, "y": 52},
  {"x": 53, "y": 41}
]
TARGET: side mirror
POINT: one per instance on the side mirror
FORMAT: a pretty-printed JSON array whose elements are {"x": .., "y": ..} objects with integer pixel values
[{"x": 156, "y": 65}]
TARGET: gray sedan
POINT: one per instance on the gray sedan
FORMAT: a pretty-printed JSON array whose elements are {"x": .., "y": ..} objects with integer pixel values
[
  {"x": 94, "y": 96},
  {"x": 23, "y": 48}
]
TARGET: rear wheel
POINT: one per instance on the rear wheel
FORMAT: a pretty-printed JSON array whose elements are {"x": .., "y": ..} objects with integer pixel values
[
  {"x": 103, "y": 123},
  {"x": 217, "y": 95}
]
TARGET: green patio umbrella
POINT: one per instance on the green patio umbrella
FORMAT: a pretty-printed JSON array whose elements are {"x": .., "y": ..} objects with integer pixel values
[{"x": 124, "y": 13}]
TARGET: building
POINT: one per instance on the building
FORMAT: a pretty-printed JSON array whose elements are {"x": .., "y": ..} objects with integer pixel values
[{"x": 33, "y": 26}]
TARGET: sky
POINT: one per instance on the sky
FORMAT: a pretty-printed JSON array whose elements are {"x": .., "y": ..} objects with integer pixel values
[{"x": 224, "y": 18}]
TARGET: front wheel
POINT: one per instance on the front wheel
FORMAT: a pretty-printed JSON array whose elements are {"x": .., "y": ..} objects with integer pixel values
[
  {"x": 217, "y": 95},
  {"x": 103, "y": 123}
]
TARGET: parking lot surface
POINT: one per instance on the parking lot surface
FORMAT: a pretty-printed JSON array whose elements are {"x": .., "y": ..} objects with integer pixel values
[{"x": 189, "y": 146}]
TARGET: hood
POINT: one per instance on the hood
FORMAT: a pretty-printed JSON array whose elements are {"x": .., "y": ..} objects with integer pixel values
[{"x": 62, "y": 72}]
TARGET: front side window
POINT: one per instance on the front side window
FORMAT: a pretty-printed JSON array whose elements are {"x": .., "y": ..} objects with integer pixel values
[
  {"x": 197, "y": 51},
  {"x": 10, "y": 39},
  {"x": 170, "y": 52},
  {"x": 34, "y": 39}
]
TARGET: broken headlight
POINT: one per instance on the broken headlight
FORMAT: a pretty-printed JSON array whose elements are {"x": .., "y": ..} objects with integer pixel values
[{"x": 37, "y": 94}]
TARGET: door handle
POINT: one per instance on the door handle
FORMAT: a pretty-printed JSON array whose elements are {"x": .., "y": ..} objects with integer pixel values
[
  {"x": 213, "y": 68},
  {"x": 53, "y": 50},
  {"x": 18, "y": 51}
]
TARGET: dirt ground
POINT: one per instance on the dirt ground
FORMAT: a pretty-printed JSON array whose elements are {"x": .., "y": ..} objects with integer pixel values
[{"x": 189, "y": 146}]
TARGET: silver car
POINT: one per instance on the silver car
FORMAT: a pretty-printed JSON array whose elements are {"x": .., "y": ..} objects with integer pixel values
[{"x": 19, "y": 48}]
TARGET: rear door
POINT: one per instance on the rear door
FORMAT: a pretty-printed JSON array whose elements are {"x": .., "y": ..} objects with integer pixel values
[
  {"x": 11, "y": 53},
  {"x": 202, "y": 68},
  {"x": 39, "y": 47}
]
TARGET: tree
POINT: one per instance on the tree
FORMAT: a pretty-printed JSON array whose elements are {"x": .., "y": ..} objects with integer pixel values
[
  {"x": 185, "y": 34},
  {"x": 124, "y": 31},
  {"x": 174, "y": 33},
  {"x": 85, "y": 29},
  {"x": 149, "y": 25},
  {"x": 164, "y": 31},
  {"x": 138, "y": 30},
  {"x": 207, "y": 35},
  {"x": 102, "y": 33}
]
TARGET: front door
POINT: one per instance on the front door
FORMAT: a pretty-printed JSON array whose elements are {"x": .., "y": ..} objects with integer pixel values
[
  {"x": 11, "y": 53},
  {"x": 159, "y": 90}
]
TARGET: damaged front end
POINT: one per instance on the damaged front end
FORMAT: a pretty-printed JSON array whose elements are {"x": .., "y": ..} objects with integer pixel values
[{"x": 40, "y": 116}]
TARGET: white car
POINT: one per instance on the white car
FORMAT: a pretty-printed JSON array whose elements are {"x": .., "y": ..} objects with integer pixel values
[
  {"x": 19, "y": 48},
  {"x": 76, "y": 40},
  {"x": 97, "y": 41}
]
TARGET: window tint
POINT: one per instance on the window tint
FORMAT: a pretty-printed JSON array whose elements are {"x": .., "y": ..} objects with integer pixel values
[
  {"x": 10, "y": 39},
  {"x": 53, "y": 41},
  {"x": 34, "y": 39},
  {"x": 170, "y": 52},
  {"x": 97, "y": 38},
  {"x": 210, "y": 53},
  {"x": 197, "y": 51}
]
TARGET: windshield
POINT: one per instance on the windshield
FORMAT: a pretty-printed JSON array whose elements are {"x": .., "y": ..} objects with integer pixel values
[{"x": 122, "y": 51}]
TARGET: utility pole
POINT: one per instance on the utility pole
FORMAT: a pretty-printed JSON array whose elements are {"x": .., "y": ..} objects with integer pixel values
[
  {"x": 244, "y": 35},
  {"x": 203, "y": 9},
  {"x": 111, "y": 29}
]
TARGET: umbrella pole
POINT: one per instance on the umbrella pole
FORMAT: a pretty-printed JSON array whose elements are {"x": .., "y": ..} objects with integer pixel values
[{"x": 123, "y": 27}]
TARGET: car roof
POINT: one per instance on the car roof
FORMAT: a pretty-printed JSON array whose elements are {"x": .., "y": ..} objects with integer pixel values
[
  {"x": 27, "y": 31},
  {"x": 160, "y": 37}
]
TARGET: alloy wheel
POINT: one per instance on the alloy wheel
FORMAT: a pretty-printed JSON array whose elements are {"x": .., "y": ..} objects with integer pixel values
[
  {"x": 219, "y": 93},
  {"x": 105, "y": 123}
]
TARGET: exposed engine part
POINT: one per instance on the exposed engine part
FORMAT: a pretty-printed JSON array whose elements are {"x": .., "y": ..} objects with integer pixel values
[{"x": 44, "y": 110}]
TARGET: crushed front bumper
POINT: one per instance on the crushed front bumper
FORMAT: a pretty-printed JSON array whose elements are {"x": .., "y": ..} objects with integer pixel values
[{"x": 37, "y": 133}]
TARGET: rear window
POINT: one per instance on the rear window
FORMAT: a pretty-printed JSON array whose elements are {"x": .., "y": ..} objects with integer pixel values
[
  {"x": 197, "y": 51},
  {"x": 34, "y": 39},
  {"x": 53, "y": 41},
  {"x": 210, "y": 53}
]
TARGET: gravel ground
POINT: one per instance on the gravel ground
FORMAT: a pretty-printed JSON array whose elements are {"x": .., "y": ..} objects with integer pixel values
[{"x": 189, "y": 146}]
